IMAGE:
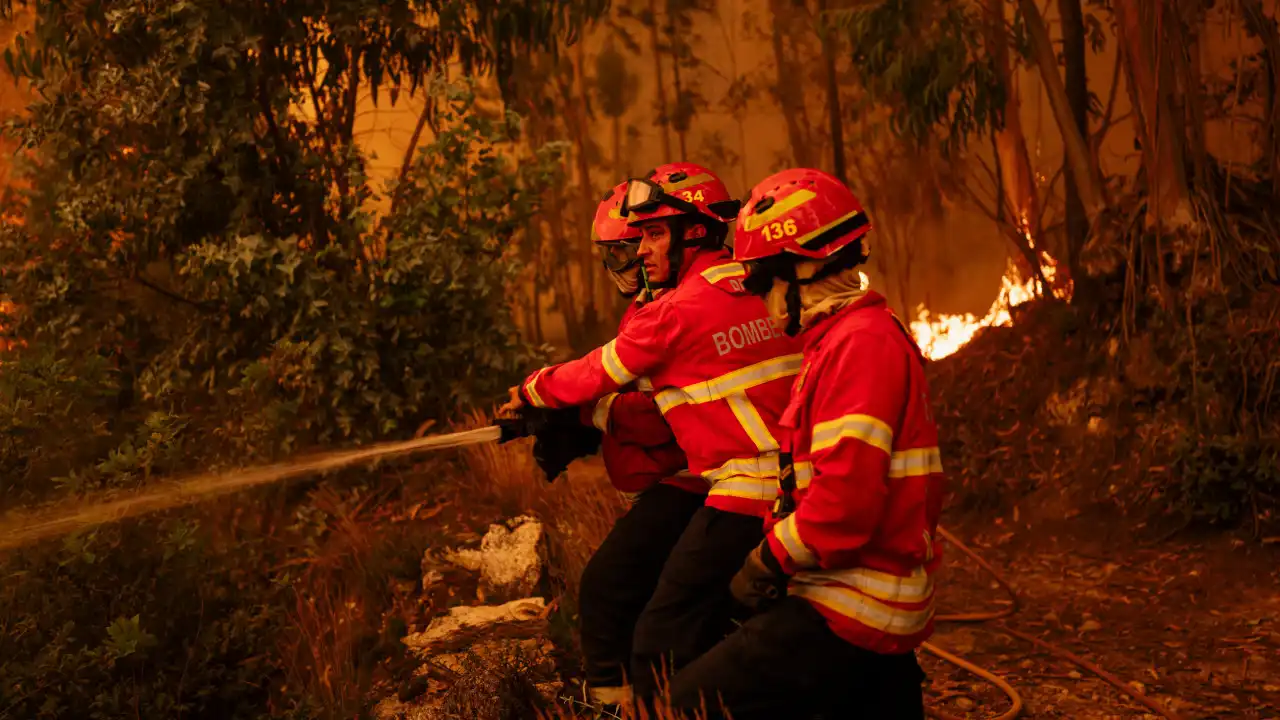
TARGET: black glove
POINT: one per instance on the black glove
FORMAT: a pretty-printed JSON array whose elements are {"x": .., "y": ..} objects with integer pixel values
[
  {"x": 562, "y": 440},
  {"x": 761, "y": 582},
  {"x": 559, "y": 437}
]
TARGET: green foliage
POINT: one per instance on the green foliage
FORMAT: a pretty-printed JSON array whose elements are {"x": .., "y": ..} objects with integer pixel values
[
  {"x": 201, "y": 276},
  {"x": 81, "y": 640},
  {"x": 1226, "y": 479},
  {"x": 42, "y": 397},
  {"x": 222, "y": 258},
  {"x": 925, "y": 61}
]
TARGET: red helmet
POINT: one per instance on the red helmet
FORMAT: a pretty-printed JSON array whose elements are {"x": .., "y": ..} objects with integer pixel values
[
  {"x": 801, "y": 211},
  {"x": 609, "y": 226},
  {"x": 678, "y": 189},
  {"x": 616, "y": 242}
]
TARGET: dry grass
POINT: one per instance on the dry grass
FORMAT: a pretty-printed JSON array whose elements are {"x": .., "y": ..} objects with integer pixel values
[{"x": 341, "y": 584}]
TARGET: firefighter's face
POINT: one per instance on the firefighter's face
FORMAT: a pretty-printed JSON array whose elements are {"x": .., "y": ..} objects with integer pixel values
[{"x": 655, "y": 248}]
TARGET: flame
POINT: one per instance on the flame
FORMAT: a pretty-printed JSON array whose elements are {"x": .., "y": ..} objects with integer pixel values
[{"x": 941, "y": 336}]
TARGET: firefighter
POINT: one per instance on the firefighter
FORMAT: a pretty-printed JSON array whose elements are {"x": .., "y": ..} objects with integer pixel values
[
  {"x": 843, "y": 582},
  {"x": 647, "y": 466},
  {"x": 721, "y": 374}
]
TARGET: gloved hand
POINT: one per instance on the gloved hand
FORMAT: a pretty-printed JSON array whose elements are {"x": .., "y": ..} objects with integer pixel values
[
  {"x": 559, "y": 436},
  {"x": 561, "y": 440},
  {"x": 760, "y": 582}
]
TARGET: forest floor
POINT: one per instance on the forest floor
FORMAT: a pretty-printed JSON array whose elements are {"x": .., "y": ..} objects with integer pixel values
[{"x": 1193, "y": 623}]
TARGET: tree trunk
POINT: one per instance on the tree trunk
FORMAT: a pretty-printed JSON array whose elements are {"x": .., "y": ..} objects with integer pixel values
[
  {"x": 789, "y": 86},
  {"x": 829, "y": 46},
  {"x": 550, "y": 250},
  {"x": 1030, "y": 261},
  {"x": 1256, "y": 21},
  {"x": 1015, "y": 174},
  {"x": 619, "y": 169},
  {"x": 1184, "y": 61},
  {"x": 538, "y": 337},
  {"x": 677, "y": 53},
  {"x": 1162, "y": 147},
  {"x": 581, "y": 128},
  {"x": 1077, "y": 152},
  {"x": 664, "y": 110},
  {"x": 1077, "y": 86}
]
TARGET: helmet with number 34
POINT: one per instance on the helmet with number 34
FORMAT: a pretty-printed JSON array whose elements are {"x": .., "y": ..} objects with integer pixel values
[{"x": 678, "y": 190}]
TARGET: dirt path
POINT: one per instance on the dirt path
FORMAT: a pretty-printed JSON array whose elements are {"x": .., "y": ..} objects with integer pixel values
[{"x": 1193, "y": 624}]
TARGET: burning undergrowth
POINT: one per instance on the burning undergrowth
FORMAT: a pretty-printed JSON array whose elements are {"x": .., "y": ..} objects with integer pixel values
[{"x": 1165, "y": 416}]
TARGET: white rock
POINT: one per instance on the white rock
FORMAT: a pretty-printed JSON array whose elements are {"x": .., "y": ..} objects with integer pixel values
[
  {"x": 430, "y": 578},
  {"x": 464, "y": 624},
  {"x": 509, "y": 559}
]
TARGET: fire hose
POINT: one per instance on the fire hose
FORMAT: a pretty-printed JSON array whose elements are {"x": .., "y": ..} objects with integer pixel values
[
  {"x": 1014, "y": 698},
  {"x": 17, "y": 530}
]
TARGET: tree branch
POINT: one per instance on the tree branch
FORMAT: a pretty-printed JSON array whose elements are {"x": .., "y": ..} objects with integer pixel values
[
  {"x": 201, "y": 306},
  {"x": 428, "y": 107}
]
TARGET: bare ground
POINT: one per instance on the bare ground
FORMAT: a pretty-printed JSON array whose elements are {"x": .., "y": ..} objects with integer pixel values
[{"x": 1193, "y": 623}]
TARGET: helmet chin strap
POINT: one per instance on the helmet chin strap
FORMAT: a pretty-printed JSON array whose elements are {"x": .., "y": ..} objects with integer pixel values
[
  {"x": 793, "y": 308},
  {"x": 846, "y": 259}
]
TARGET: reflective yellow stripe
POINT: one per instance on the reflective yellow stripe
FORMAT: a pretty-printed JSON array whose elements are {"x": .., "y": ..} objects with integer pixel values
[
  {"x": 808, "y": 237},
  {"x": 630, "y": 497},
  {"x": 915, "y": 588},
  {"x": 600, "y": 415},
  {"x": 532, "y": 391},
  {"x": 644, "y": 384},
  {"x": 789, "y": 535},
  {"x": 764, "y": 467},
  {"x": 613, "y": 364},
  {"x": 780, "y": 208},
  {"x": 804, "y": 474},
  {"x": 738, "y": 381},
  {"x": 869, "y": 430},
  {"x": 750, "y": 420},
  {"x": 723, "y": 272},
  {"x": 866, "y": 610},
  {"x": 694, "y": 180},
  {"x": 751, "y": 478},
  {"x": 749, "y": 488},
  {"x": 914, "y": 463}
]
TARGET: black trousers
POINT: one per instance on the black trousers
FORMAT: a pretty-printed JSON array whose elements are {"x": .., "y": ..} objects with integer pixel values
[
  {"x": 691, "y": 609},
  {"x": 620, "y": 578},
  {"x": 786, "y": 663}
]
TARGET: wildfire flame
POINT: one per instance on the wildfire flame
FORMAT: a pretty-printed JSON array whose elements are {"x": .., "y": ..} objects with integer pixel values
[{"x": 941, "y": 336}]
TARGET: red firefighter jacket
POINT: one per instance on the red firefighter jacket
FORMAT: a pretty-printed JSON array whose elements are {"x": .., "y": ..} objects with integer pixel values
[
  {"x": 860, "y": 545},
  {"x": 720, "y": 372},
  {"x": 638, "y": 447}
]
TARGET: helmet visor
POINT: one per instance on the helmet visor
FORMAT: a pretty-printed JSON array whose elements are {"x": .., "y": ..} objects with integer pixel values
[
  {"x": 644, "y": 196},
  {"x": 617, "y": 256}
]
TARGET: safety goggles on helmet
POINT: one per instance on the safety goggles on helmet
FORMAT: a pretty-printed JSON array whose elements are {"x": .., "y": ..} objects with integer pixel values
[
  {"x": 644, "y": 196},
  {"x": 617, "y": 256}
]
